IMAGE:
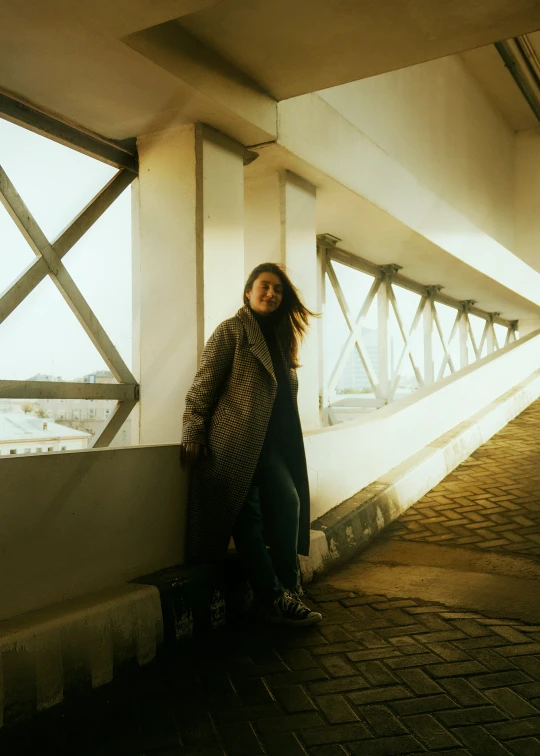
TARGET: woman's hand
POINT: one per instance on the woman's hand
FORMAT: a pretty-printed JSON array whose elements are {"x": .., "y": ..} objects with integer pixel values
[{"x": 189, "y": 453}]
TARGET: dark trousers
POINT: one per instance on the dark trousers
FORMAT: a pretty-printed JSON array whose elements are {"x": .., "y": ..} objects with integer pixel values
[{"x": 270, "y": 516}]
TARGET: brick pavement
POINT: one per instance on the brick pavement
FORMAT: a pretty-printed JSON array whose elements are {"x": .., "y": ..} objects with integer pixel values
[
  {"x": 491, "y": 501},
  {"x": 378, "y": 676}
]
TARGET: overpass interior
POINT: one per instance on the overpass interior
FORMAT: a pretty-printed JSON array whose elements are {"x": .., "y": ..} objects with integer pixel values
[{"x": 400, "y": 144}]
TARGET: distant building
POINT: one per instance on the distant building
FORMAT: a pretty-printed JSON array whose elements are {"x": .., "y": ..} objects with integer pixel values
[
  {"x": 89, "y": 416},
  {"x": 354, "y": 377},
  {"x": 26, "y": 434}
]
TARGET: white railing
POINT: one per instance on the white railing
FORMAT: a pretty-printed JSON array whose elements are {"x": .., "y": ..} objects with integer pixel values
[{"x": 435, "y": 337}]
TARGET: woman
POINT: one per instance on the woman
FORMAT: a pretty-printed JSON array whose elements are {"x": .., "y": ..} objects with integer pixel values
[{"x": 242, "y": 436}]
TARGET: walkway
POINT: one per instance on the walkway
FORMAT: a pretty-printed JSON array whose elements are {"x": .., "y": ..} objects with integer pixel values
[{"x": 430, "y": 644}]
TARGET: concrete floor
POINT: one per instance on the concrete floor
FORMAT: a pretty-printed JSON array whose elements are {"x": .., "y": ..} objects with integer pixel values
[
  {"x": 473, "y": 542},
  {"x": 496, "y": 584}
]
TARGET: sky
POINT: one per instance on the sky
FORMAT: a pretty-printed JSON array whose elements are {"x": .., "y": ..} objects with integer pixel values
[{"x": 42, "y": 335}]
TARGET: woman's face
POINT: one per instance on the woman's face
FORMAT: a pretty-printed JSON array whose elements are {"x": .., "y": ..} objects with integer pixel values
[{"x": 266, "y": 294}]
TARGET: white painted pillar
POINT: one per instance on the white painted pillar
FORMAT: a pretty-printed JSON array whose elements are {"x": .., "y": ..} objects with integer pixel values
[
  {"x": 280, "y": 213},
  {"x": 299, "y": 245},
  {"x": 188, "y": 264},
  {"x": 221, "y": 212}
]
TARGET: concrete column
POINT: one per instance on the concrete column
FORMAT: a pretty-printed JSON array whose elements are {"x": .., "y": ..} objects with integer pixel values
[
  {"x": 188, "y": 264},
  {"x": 221, "y": 213},
  {"x": 280, "y": 212}
]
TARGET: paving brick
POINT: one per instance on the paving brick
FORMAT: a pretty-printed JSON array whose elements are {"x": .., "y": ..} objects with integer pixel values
[
  {"x": 370, "y": 639},
  {"x": 479, "y": 741},
  {"x": 525, "y": 648},
  {"x": 279, "y": 744},
  {"x": 415, "y": 660},
  {"x": 510, "y": 634},
  {"x": 499, "y": 679},
  {"x": 376, "y": 674},
  {"x": 291, "y": 678},
  {"x": 438, "y": 637},
  {"x": 293, "y": 698},
  {"x": 515, "y": 729},
  {"x": 386, "y": 746},
  {"x": 361, "y": 600},
  {"x": 456, "y": 669},
  {"x": 390, "y": 632},
  {"x": 240, "y": 739},
  {"x": 429, "y": 731},
  {"x": 487, "y": 642},
  {"x": 338, "y": 666},
  {"x": 423, "y": 705},
  {"x": 471, "y": 716},
  {"x": 374, "y": 653},
  {"x": 463, "y": 692},
  {"x": 338, "y": 686},
  {"x": 289, "y": 722},
  {"x": 333, "y": 749},
  {"x": 526, "y": 746},
  {"x": 336, "y": 734},
  {"x": 529, "y": 664},
  {"x": 392, "y": 693},
  {"x": 448, "y": 652},
  {"x": 381, "y": 721},
  {"x": 246, "y": 713},
  {"x": 334, "y": 634},
  {"x": 336, "y": 709},
  {"x": 419, "y": 682},
  {"x": 528, "y": 690},
  {"x": 299, "y": 658},
  {"x": 492, "y": 660},
  {"x": 252, "y": 691},
  {"x": 510, "y": 702},
  {"x": 336, "y": 648}
]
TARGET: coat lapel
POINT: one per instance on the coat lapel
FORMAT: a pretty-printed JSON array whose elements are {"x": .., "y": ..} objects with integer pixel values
[{"x": 256, "y": 340}]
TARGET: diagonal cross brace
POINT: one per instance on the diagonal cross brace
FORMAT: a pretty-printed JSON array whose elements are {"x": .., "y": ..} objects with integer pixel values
[{"x": 49, "y": 262}]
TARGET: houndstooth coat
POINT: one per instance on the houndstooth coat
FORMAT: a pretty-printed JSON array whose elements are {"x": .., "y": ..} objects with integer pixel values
[{"x": 228, "y": 408}]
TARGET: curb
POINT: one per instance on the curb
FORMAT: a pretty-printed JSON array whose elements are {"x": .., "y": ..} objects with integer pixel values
[
  {"x": 59, "y": 654},
  {"x": 352, "y": 526}
]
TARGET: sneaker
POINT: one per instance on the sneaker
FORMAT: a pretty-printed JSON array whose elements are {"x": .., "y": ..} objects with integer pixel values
[{"x": 287, "y": 610}]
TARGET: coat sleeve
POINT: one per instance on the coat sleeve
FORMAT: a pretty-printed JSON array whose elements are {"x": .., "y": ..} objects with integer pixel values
[{"x": 215, "y": 364}]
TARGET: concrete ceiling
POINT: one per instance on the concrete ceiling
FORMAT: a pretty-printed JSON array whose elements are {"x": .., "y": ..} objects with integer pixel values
[
  {"x": 292, "y": 48},
  {"x": 88, "y": 61},
  {"x": 372, "y": 234},
  {"x": 488, "y": 68}
]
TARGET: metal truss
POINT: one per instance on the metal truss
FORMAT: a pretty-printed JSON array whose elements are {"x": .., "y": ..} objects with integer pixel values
[
  {"x": 48, "y": 262},
  {"x": 384, "y": 381}
]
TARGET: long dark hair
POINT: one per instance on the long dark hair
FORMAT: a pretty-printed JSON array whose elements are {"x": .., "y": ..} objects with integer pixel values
[{"x": 293, "y": 315}]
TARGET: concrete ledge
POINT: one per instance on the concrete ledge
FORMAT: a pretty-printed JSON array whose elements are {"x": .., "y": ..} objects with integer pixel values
[
  {"x": 74, "y": 646},
  {"x": 55, "y": 654},
  {"x": 353, "y": 525}
]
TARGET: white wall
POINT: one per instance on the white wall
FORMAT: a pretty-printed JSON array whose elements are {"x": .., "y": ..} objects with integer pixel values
[
  {"x": 92, "y": 519},
  {"x": 528, "y": 197},
  {"x": 281, "y": 227},
  {"x": 345, "y": 458},
  {"x": 222, "y": 214},
  {"x": 437, "y": 122},
  {"x": 317, "y": 133}
]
